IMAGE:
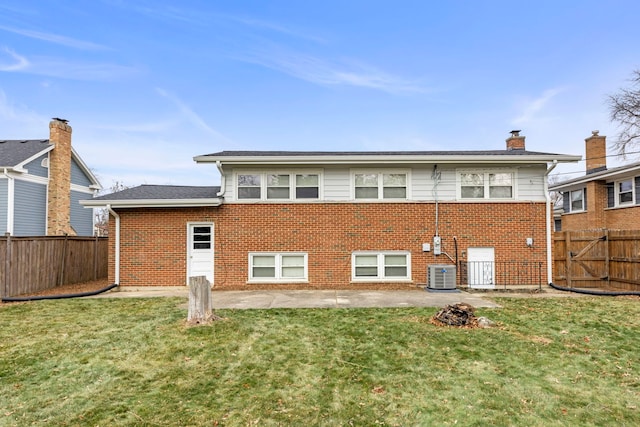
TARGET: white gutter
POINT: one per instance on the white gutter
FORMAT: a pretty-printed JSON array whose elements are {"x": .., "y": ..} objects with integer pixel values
[
  {"x": 10, "y": 201},
  {"x": 223, "y": 179},
  {"x": 151, "y": 203},
  {"x": 548, "y": 222},
  {"x": 117, "y": 251}
]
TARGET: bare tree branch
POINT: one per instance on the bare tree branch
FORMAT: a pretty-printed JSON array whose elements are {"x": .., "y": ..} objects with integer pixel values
[{"x": 624, "y": 108}]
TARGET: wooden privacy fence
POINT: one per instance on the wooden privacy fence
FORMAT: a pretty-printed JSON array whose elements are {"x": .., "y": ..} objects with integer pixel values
[
  {"x": 33, "y": 264},
  {"x": 597, "y": 259}
]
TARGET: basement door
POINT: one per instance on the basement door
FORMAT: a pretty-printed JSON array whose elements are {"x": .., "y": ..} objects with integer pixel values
[
  {"x": 200, "y": 250},
  {"x": 480, "y": 268}
]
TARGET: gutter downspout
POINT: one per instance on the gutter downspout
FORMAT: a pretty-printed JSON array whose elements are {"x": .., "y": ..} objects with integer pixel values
[
  {"x": 548, "y": 222},
  {"x": 223, "y": 180},
  {"x": 117, "y": 250},
  {"x": 10, "y": 201}
]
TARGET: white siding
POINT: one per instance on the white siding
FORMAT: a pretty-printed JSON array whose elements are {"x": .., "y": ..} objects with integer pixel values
[
  {"x": 531, "y": 183},
  {"x": 337, "y": 184},
  {"x": 336, "y": 180}
]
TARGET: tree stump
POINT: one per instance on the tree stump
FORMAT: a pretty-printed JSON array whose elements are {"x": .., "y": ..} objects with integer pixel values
[{"x": 200, "y": 301}]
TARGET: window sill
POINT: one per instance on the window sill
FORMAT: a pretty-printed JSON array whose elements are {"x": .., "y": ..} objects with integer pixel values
[{"x": 276, "y": 282}]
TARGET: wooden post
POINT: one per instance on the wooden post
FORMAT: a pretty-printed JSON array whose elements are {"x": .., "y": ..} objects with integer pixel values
[
  {"x": 568, "y": 259},
  {"x": 200, "y": 301},
  {"x": 7, "y": 265}
]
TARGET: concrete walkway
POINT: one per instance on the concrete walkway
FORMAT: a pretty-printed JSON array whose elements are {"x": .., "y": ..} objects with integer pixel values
[{"x": 318, "y": 298}]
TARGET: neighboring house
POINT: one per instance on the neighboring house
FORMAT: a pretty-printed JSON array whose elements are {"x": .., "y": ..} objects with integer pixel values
[
  {"x": 41, "y": 184},
  {"x": 602, "y": 198},
  {"x": 337, "y": 219}
]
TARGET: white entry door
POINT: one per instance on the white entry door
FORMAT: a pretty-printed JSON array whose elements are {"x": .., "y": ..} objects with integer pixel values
[
  {"x": 200, "y": 251},
  {"x": 481, "y": 268}
]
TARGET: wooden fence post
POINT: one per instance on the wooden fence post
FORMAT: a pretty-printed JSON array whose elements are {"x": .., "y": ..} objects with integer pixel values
[
  {"x": 7, "y": 265},
  {"x": 200, "y": 301}
]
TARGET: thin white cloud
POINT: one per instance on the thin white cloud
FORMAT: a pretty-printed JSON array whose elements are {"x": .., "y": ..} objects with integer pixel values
[
  {"x": 15, "y": 63},
  {"x": 275, "y": 27},
  {"x": 55, "y": 38},
  {"x": 344, "y": 73},
  {"x": 189, "y": 114},
  {"x": 54, "y": 67},
  {"x": 531, "y": 109}
]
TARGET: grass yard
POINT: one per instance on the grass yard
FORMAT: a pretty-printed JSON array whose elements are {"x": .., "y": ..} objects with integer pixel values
[{"x": 551, "y": 362}]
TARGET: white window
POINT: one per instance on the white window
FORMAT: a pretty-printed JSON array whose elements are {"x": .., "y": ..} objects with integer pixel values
[
  {"x": 277, "y": 267},
  {"x": 577, "y": 200},
  {"x": 278, "y": 186},
  {"x": 624, "y": 190},
  {"x": 381, "y": 266},
  {"x": 380, "y": 185},
  {"x": 307, "y": 186},
  {"x": 249, "y": 186},
  {"x": 486, "y": 185}
]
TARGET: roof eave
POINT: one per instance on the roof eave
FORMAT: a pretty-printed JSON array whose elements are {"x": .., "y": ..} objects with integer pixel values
[
  {"x": 151, "y": 203},
  {"x": 400, "y": 159},
  {"x": 599, "y": 176}
]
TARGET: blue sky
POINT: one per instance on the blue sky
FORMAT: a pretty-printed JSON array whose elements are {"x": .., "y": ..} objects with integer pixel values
[{"x": 148, "y": 85}]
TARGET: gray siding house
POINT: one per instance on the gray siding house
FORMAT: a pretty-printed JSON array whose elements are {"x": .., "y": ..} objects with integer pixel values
[{"x": 41, "y": 184}]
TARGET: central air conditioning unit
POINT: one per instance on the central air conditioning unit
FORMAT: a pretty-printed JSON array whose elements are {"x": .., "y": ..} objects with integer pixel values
[{"x": 441, "y": 276}]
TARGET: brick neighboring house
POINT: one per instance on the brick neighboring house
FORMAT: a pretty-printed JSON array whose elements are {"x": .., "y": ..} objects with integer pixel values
[
  {"x": 41, "y": 184},
  {"x": 603, "y": 198},
  {"x": 337, "y": 219}
]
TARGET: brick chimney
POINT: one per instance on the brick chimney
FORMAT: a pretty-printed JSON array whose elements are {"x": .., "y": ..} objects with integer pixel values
[
  {"x": 59, "y": 193},
  {"x": 515, "y": 141},
  {"x": 596, "y": 152}
]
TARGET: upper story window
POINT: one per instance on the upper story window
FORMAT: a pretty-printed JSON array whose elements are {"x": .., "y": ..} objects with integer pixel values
[
  {"x": 625, "y": 192},
  {"x": 486, "y": 185},
  {"x": 574, "y": 201},
  {"x": 380, "y": 185},
  {"x": 278, "y": 186},
  {"x": 576, "y": 198},
  {"x": 249, "y": 186}
]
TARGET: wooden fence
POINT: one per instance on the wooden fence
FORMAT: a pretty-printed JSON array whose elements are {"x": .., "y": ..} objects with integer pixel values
[
  {"x": 597, "y": 259},
  {"x": 33, "y": 264}
]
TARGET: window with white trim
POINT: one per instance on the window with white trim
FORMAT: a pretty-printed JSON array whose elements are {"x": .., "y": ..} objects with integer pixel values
[
  {"x": 577, "y": 200},
  {"x": 381, "y": 266},
  {"x": 278, "y": 267},
  {"x": 249, "y": 186},
  {"x": 278, "y": 186},
  {"x": 486, "y": 185},
  {"x": 380, "y": 185},
  {"x": 624, "y": 192}
]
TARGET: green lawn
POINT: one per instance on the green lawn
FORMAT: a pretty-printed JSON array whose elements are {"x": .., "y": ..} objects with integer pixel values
[{"x": 550, "y": 362}]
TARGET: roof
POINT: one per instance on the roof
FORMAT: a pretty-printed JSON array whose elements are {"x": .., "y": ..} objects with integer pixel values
[
  {"x": 14, "y": 152},
  {"x": 311, "y": 157},
  {"x": 607, "y": 174},
  {"x": 158, "y": 196}
]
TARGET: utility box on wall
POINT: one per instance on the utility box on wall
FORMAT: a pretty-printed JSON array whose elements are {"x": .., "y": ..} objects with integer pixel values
[{"x": 441, "y": 276}]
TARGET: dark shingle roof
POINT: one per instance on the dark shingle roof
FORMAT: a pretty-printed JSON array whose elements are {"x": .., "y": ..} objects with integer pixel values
[
  {"x": 161, "y": 192},
  {"x": 16, "y": 151}
]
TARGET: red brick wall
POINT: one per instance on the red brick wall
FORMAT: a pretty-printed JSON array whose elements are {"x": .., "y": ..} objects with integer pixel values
[{"x": 154, "y": 241}]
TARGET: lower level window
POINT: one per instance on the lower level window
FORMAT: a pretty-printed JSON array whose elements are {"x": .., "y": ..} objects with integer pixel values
[
  {"x": 381, "y": 266},
  {"x": 277, "y": 267}
]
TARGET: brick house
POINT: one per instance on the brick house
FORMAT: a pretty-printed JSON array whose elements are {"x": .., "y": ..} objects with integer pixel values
[
  {"x": 302, "y": 220},
  {"x": 41, "y": 184},
  {"x": 602, "y": 198}
]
